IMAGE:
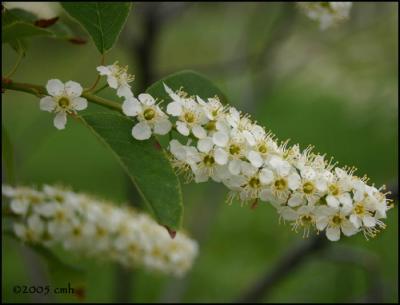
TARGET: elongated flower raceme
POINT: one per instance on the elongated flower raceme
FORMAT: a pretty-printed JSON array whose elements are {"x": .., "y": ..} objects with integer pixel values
[
  {"x": 94, "y": 228},
  {"x": 306, "y": 190},
  {"x": 225, "y": 145},
  {"x": 328, "y": 14}
]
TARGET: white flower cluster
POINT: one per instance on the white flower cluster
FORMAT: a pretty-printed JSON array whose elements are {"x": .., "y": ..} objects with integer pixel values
[
  {"x": 230, "y": 148},
  {"x": 327, "y": 14},
  {"x": 95, "y": 228}
]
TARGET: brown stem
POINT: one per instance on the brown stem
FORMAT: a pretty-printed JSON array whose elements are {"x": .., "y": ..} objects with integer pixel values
[
  {"x": 40, "y": 91},
  {"x": 285, "y": 266}
]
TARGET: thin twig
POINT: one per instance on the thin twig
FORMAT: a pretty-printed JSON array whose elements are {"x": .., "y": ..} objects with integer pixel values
[
  {"x": 102, "y": 60},
  {"x": 286, "y": 265},
  {"x": 14, "y": 69}
]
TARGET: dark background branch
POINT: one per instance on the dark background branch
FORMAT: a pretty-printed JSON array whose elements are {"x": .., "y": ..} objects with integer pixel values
[{"x": 286, "y": 265}]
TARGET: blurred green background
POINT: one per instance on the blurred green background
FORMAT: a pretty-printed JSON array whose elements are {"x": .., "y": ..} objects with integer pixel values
[{"x": 335, "y": 89}]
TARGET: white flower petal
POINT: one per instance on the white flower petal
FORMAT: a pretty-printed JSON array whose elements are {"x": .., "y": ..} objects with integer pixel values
[
  {"x": 112, "y": 81},
  {"x": 19, "y": 230},
  {"x": 220, "y": 139},
  {"x": 294, "y": 181},
  {"x": 288, "y": 213},
  {"x": 255, "y": 159},
  {"x": 141, "y": 131},
  {"x": 35, "y": 224},
  {"x": 47, "y": 103},
  {"x": 79, "y": 103},
  {"x": 247, "y": 169},
  {"x": 199, "y": 132},
  {"x": 19, "y": 207},
  {"x": 182, "y": 128},
  {"x": 178, "y": 150},
  {"x": 124, "y": 91},
  {"x": 355, "y": 220},
  {"x": 266, "y": 176},
  {"x": 249, "y": 137},
  {"x": 200, "y": 176},
  {"x": 321, "y": 185},
  {"x": 73, "y": 89},
  {"x": 8, "y": 190},
  {"x": 345, "y": 199},
  {"x": 321, "y": 222},
  {"x": 358, "y": 196},
  {"x": 174, "y": 108},
  {"x": 46, "y": 210},
  {"x": 333, "y": 233},
  {"x": 332, "y": 201},
  {"x": 55, "y": 87},
  {"x": 369, "y": 221},
  {"x": 131, "y": 107},
  {"x": 221, "y": 156},
  {"x": 104, "y": 70},
  {"x": 266, "y": 195},
  {"x": 284, "y": 168},
  {"x": 347, "y": 228},
  {"x": 234, "y": 167},
  {"x": 60, "y": 120},
  {"x": 205, "y": 145},
  {"x": 146, "y": 99},
  {"x": 295, "y": 200},
  {"x": 162, "y": 126},
  {"x": 221, "y": 173}
]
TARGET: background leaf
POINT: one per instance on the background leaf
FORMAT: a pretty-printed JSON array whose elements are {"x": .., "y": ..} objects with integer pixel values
[
  {"x": 18, "y": 24},
  {"x": 192, "y": 82},
  {"x": 145, "y": 163},
  {"x": 102, "y": 20},
  {"x": 19, "y": 29}
]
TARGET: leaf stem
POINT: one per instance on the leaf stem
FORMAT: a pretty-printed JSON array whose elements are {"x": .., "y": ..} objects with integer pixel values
[
  {"x": 17, "y": 63},
  {"x": 100, "y": 89},
  {"x": 98, "y": 76}
]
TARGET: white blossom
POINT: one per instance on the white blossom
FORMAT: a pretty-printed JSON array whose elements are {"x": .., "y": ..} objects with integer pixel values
[
  {"x": 95, "y": 228},
  {"x": 334, "y": 221},
  {"x": 151, "y": 118},
  {"x": 118, "y": 78},
  {"x": 63, "y": 99},
  {"x": 307, "y": 191},
  {"x": 326, "y": 13},
  {"x": 190, "y": 116}
]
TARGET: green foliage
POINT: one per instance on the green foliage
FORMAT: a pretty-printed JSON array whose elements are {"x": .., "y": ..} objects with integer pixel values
[
  {"x": 19, "y": 46},
  {"x": 102, "y": 20},
  {"x": 145, "y": 163},
  {"x": 20, "y": 29},
  {"x": 192, "y": 82},
  {"x": 18, "y": 25}
]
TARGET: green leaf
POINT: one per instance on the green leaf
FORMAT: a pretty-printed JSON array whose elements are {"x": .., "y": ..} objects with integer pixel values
[
  {"x": 146, "y": 164},
  {"x": 20, "y": 29},
  {"x": 7, "y": 155},
  {"x": 102, "y": 20},
  {"x": 192, "y": 82},
  {"x": 17, "y": 25},
  {"x": 19, "y": 46}
]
